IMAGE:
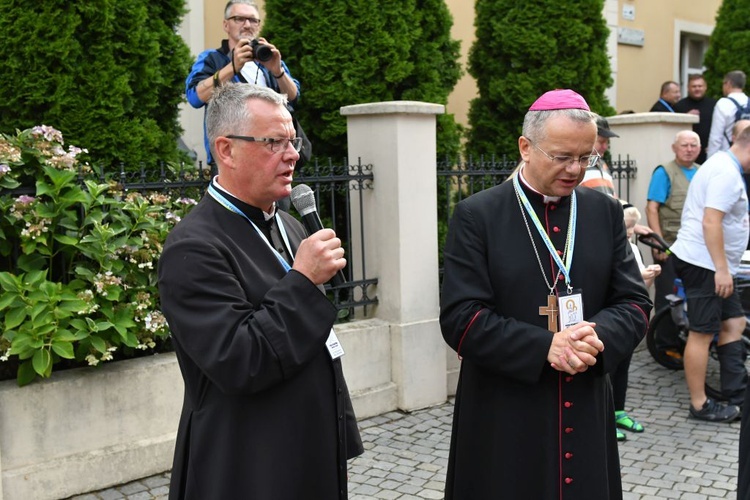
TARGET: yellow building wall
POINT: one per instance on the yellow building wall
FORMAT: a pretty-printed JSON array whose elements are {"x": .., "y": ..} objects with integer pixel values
[
  {"x": 638, "y": 71},
  {"x": 642, "y": 70}
]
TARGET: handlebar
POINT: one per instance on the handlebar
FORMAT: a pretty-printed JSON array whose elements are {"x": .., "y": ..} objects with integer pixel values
[{"x": 653, "y": 240}]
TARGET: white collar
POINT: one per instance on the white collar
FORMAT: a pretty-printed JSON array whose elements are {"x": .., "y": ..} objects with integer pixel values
[
  {"x": 266, "y": 215},
  {"x": 547, "y": 199}
]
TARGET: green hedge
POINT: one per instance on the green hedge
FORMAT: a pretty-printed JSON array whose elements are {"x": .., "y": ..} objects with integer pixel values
[
  {"x": 107, "y": 73},
  {"x": 524, "y": 49}
]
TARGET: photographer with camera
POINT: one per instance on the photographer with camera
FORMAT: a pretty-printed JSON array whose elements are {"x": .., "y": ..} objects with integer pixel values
[{"x": 242, "y": 57}]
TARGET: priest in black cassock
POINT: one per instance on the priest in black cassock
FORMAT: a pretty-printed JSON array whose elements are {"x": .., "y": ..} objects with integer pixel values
[
  {"x": 267, "y": 413},
  {"x": 542, "y": 297}
]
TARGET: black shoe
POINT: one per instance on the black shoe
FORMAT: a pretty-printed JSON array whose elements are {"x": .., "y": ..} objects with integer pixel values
[{"x": 715, "y": 412}]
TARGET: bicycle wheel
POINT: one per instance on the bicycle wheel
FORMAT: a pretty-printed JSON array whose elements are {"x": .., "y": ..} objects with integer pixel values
[{"x": 664, "y": 341}]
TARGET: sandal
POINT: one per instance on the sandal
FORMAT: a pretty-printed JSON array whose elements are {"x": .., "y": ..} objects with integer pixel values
[
  {"x": 625, "y": 422},
  {"x": 621, "y": 435}
]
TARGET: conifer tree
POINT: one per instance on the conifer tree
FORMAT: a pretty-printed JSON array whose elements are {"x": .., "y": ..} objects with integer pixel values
[
  {"x": 362, "y": 51},
  {"x": 107, "y": 73},
  {"x": 729, "y": 45},
  {"x": 524, "y": 49}
]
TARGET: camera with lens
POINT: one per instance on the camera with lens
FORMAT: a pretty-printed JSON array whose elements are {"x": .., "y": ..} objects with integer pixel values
[{"x": 261, "y": 51}]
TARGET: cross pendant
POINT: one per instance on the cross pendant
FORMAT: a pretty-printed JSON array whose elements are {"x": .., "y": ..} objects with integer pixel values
[{"x": 551, "y": 312}]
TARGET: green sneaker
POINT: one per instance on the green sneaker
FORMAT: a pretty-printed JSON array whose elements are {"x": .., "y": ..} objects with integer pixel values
[
  {"x": 623, "y": 421},
  {"x": 621, "y": 435}
]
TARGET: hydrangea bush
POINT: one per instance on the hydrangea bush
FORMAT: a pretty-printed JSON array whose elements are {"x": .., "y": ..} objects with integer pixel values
[{"x": 77, "y": 258}]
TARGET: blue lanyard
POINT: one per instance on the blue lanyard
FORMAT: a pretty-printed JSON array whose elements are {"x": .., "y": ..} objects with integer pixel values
[
  {"x": 666, "y": 105},
  {"x": 216, "y": 195},
  {"x": 570, "y": 238}
]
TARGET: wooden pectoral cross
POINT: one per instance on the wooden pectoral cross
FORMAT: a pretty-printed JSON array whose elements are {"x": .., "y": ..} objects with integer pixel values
[{"x": 551, "y": 312}]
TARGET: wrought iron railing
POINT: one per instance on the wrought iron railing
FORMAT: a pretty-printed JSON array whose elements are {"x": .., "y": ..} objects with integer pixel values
[
  {"x": 337, "y": 187},
  {"x": 463, "y": 176}
]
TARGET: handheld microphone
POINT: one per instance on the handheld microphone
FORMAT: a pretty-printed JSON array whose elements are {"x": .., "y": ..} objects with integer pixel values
[{"x": 303, "y": 200}]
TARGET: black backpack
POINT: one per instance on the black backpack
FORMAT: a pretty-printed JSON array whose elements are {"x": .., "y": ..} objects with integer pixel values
[{"x": 742, "y": 113}]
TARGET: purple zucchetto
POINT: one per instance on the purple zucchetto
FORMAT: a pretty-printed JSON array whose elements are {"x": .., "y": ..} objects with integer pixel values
[{"x": 559, "y": 99}]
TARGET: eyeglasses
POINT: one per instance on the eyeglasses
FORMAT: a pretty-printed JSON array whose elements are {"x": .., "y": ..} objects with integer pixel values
[
  {"x": 242, "y": 20},
  {"x": 276, "y": 144},
  {"x": 568, "y": 161}
]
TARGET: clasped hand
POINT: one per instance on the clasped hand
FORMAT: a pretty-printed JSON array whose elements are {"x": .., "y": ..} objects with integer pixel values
[
  {"x": 574, "y": 349},
  {"x": 320, "y": 256}
]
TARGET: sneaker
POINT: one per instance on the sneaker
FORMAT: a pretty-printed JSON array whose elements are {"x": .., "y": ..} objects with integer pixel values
[{"x": 715, "y": 412}]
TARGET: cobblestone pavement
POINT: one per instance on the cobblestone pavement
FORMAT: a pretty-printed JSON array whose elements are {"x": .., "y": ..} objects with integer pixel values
[{"x": 406, "y": 454}]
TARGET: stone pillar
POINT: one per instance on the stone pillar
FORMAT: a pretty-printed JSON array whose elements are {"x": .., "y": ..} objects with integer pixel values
[{"x": 400, "y": 220}]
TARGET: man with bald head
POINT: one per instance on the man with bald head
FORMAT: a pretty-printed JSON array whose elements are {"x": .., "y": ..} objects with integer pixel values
[
  {"x": 668, "y": 97},
  {"x": 666, "y": 196},
  {"x": 542, "y": 298}
]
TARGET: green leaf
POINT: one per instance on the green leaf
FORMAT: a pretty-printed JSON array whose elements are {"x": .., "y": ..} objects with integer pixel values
[
  {"x": 98, "y": 344},
  {"x": 31, "y": 261},
  {"x": 80, "y": 324},
  {"x": 15, "y": 317},
  {"x": 35, "y": 277},
  {"x": 103, "y": 326},
  {"x": 9, "y": 282},
  {"x": 42, "y": 362},
  {"x": 130, "y": 339},
  {"x": 20, "y": 344},
  {"x": 68, "y": 336},
  {"x": 63, "y": 349},
  {"x": 25, "y": 374},
  {"x": 8, "y": 298},
  {"x": 66, "y": 240},
  {"x": 37, "y": 309}
]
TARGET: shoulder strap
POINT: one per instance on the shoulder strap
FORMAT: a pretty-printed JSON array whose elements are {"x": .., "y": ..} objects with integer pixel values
[{"x": 739, "y": 108}]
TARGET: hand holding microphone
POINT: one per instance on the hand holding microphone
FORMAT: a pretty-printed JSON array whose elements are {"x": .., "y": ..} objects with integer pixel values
[{"x": 320, "y": 257}]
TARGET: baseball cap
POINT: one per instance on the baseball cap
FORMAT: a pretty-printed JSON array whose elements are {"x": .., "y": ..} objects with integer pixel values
[{"x": 602, "y": 128}]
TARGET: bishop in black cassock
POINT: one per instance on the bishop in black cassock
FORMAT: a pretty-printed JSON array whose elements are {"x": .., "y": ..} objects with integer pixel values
[{"x": 533, "y": 420}]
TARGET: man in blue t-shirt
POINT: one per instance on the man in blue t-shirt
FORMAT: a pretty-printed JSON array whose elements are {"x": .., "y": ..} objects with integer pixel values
[{"x": 666, "y": 197}]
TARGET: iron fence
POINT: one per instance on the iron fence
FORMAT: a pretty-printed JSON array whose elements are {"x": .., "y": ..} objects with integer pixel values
[
  {"x": 461, "y": 177},
  {"x": 623, "y": 170},
  {"x": 337, "y": 187}
]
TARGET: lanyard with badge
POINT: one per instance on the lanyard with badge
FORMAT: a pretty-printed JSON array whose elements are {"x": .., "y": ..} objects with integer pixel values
[
  {"x": 332, "y": 343},
  {"x": 569, "y": 303}
]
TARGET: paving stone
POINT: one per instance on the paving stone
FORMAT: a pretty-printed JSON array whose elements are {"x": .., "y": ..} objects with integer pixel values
[{"x": 406, "y": 454}]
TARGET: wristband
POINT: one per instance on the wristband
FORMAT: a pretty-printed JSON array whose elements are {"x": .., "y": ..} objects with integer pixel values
[
  {"x": 217, "y": 82},
  {"x": 280, "y": 74}
]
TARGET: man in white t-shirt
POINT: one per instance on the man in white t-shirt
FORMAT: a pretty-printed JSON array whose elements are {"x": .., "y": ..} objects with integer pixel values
[
  {"x": 725, "y": 111},
  {"x": 712, "y": 237}
]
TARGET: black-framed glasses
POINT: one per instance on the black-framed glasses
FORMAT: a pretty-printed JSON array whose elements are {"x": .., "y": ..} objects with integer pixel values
[
  {"x": 242, "y": 20},
  {"x": 568, "y": 161},
  {"x": 277, "y": 144}
]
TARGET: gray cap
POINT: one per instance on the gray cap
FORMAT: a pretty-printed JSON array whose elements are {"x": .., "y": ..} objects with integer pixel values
[{"x": 602, "y": 128}]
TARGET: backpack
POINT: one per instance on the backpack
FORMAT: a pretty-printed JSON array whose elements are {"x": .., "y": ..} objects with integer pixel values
[{"x": 742, "y": 113}]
